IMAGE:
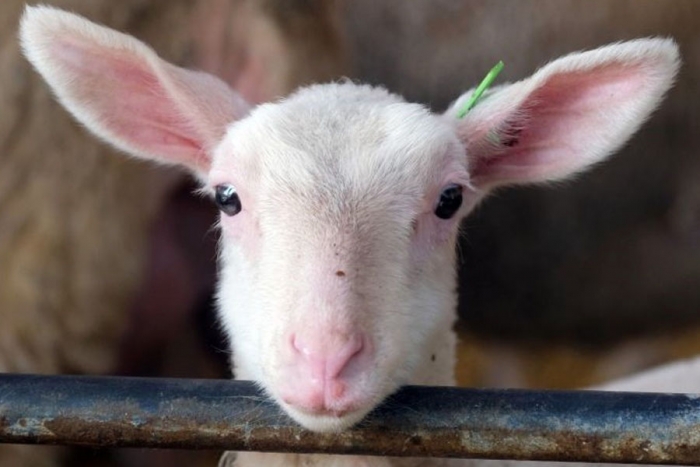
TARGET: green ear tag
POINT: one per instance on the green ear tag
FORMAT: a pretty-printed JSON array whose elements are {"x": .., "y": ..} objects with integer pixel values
[{"x": 483, "y": 86}]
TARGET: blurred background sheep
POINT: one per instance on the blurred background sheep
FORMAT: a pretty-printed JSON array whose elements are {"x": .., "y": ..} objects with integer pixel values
[{"x": 108, "y": 264}]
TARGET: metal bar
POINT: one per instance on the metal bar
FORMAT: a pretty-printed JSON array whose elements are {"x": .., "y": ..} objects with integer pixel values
[{"x": 583, "y": 426}]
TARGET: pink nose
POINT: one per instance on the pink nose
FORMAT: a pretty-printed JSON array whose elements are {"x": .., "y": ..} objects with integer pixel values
[{"x": 321, "y": 366}]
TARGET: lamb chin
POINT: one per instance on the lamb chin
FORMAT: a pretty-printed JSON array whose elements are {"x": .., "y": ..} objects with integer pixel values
[{"x": 326, "y": 423}]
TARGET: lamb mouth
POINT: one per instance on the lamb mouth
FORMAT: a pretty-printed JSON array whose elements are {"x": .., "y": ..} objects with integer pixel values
[{"x": 328, "y": 421}]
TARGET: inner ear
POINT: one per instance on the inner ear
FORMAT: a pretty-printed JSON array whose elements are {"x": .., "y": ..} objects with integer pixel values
[
  {"x": 563, "y": 105},
  {"x": 123, "y": 92},
  {"x": 569, "y": 103},
  {"x": 572, "y": 113}
]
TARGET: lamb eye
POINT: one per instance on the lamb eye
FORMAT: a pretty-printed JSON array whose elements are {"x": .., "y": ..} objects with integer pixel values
[
  {"x": 227, "y": 200},
  {"x": 449, "y": 203}
]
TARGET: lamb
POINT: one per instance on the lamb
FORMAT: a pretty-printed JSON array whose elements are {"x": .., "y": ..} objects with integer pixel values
[{"x": 340, "y": 205}]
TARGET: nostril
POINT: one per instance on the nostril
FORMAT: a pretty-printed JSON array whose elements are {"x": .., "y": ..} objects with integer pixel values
[
  {"x": 324, "y": 370},
  {"x": 329, "y": 353},
  {"x": 299, "y": 346},
  {"x": 338, "y": 362},
  {"x": 357, "y": 345}
]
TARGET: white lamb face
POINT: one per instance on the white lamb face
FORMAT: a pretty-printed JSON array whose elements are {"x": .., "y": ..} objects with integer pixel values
[
  {"x": 339, "y": 240},
  {"x": 340, "y": 205}
]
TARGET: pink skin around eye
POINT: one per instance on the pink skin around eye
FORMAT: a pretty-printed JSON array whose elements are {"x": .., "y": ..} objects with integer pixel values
[
  {"x": 243, "y": 227},
  {"x": 429, "y": 230}
]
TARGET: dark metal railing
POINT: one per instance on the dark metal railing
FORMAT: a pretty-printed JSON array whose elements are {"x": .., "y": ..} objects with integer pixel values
[{"x": 418, "y": 421}]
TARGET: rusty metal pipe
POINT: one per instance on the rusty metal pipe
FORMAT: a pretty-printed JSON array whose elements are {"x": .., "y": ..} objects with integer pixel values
[{"x": 583, "y": 426}]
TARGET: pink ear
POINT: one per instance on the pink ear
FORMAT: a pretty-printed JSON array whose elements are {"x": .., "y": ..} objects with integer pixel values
[
  {"x": 122, "y": 91},
  {"x": 570, "y": 114}
]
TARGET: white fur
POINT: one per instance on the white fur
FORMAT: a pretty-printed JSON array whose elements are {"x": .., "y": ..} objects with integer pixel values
[{"x": 338, "y": 183}]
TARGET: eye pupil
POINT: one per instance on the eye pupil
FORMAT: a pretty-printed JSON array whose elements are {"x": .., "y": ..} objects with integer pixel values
[
  {"x": 227, "y": 200},
  {"x": 450, "y": 202}
]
